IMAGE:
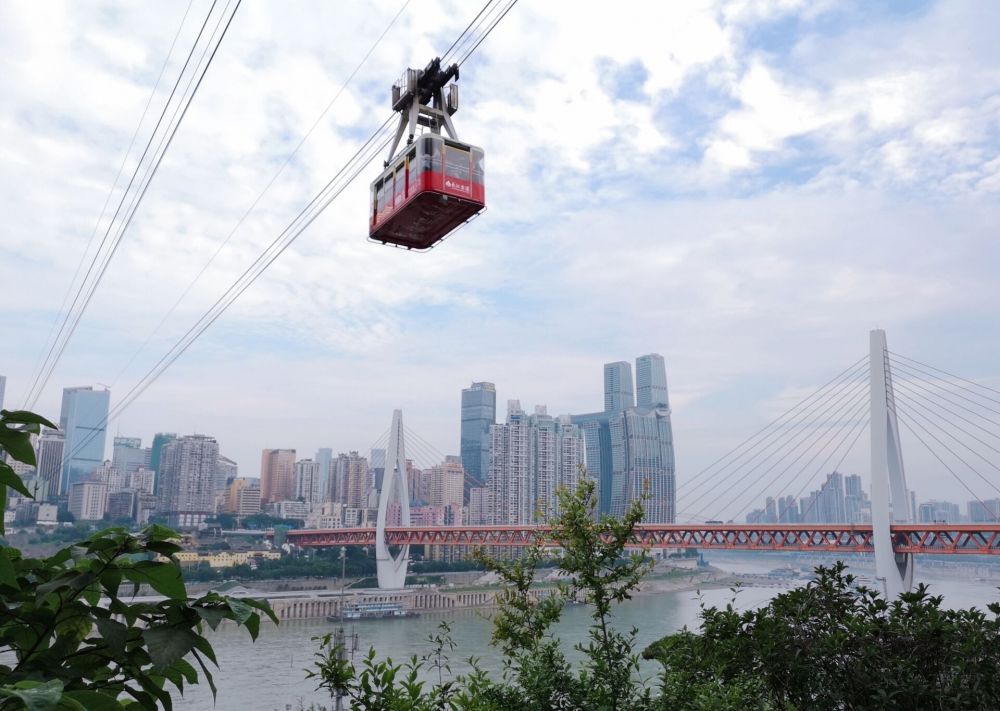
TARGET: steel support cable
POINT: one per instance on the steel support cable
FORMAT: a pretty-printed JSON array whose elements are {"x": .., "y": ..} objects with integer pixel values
[
  {"x": 104, "y": 208},
  {"x": 482, "y": 20},
  {"x": 917, "y": 363},
  {"x": 465, "y": 31},
  {"x": 931, "y": 406},
  {"x": 849, "y": 407},
  {"x": 302, "y": 221},
  {"x": 253, "y": 206},
  {"x": 792, "y": 429},
  {"x": 137, "y": 201},
  {"x": 369, "y": 150},
  {"x": 468, "y": 54},
  {"x": 31, "y": 397},
  {"x": 429, "y": 447},
  {"x": 936, "y": 382},
  {"x": 812, "y": 504},
  {"x": 946, "y": 466},
  {"x": 847, "y": 427},
  {"x": 840, "y": 408},
  {"x": 930, "y": 421},
  {"x": 851, "y": 368},
  {"x": 914, "y": 421},
  {"x": 906, "y": 387}
]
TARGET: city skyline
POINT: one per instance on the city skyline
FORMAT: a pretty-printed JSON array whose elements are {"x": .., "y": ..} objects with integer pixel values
[{"x": 780, "y": 184}]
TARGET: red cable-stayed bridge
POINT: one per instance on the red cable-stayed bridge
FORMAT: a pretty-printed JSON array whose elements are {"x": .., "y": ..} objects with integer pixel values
[{"x": 961, "y": 417}]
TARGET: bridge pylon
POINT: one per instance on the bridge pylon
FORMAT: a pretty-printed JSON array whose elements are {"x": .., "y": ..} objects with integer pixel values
[
  {"x": 890, "y": 498},
  {"x": 392, "y": 569}
]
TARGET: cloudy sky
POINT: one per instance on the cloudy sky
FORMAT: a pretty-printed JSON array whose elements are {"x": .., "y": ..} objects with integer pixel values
[{"x": 745, "y": 187}]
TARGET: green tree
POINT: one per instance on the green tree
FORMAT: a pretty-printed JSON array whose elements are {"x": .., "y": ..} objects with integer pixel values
[{"x": 71, "y": 634}]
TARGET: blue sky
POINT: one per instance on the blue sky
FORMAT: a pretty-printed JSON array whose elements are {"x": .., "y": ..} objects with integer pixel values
[{"x": 746, "y": 187}]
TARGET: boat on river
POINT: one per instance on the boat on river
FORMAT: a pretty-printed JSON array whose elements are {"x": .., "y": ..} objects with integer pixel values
[{"x": 373, "y": 611}]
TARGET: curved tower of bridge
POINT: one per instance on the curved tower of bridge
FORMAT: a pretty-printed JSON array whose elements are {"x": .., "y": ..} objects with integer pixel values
[
  {"x": 392, "y": 569},
  {"x": 890, "y": 499}
]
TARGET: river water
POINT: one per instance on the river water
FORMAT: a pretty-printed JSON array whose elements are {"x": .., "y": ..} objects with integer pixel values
[{"x": 268, "y": 675}]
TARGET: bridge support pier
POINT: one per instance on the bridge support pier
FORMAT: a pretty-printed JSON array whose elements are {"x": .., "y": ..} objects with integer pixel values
[
  {"x": 890, "y": 499},
  {"x": 392, "y": 569}
]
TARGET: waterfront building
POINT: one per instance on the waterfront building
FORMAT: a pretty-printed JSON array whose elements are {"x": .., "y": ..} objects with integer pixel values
[
  {"x": 479, "y": 414},
  {"x": 480, "y": 506},
  {"x": 352, "y": 481},
  {"x": 83, "y": 421},
  {"x": 88, "y": 500},
  {"x": 642, "y": 456},
  {"x": 446, "y": 483},
  {"x": 985, "y": 511},
  {"x": 49, "y": 459},
  {"x": 277, "y": 475},
  {"x": 308, "y": 481},
  {"x": 939, "y": 512},
  {"x": 186, "y": 487},
  {"x": 290, "y": 509}
]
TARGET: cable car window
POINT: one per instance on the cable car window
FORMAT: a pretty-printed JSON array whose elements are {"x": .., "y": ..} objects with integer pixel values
[
  {"x": 477, "y": 166},
  {"x": 457, "y": 163},
  {"x": 431, "y": 155},
  {"x": 400, "y": 185}
]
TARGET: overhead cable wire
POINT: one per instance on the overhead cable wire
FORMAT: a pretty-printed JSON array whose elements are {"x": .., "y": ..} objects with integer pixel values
[
  {"x": 851, "y": 368},
  {"x": 482, "y": 20},
  {"x": 946, "y": 466},
  {"x": 843, "y": 409},
  {"x": 468, "y": 54},
  {"x": 913, "y": 421},
  {"x": 260, "y": 196},
  {"x": 36, "y": 370},
  {"x": 836, "y": 394},
  {"x": 137, "y": 201},
  {"x": 376, "y": 143},
  {"x": 917, "y": 363}
]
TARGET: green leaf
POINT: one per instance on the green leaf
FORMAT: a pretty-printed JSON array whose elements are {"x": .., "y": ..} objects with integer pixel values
[
  {"x": 94, "y": 700},
  {"x": 164, "y": 578},
  {"x": 36, "y": 696},
  {"x": 10, "y": 478},
  {"x": 7, "y": 575},
  {"x": 212, "y": 615},
  {"x": 114, "y": 634},
  {"x": 168, "y": 644},
  {"x": 18, "y": 445},
  {"x": 25, "y": 417}
]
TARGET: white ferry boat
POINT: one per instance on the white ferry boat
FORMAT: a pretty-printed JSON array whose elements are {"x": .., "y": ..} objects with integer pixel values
[{"x": 372, "y": 611}]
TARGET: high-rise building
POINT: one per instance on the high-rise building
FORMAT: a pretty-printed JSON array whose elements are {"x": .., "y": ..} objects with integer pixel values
[
  {"x": 479, "y": 414},
  {"x": 642, "y": 457},
  {"x": 376, "y": 462},
  {"x": 308, "y": 481},
  {"x": 186, "y": 478},
  {"x": 651, "y": 381},
  {"x": 446, "y": 483},
  {"x": 160, "y": 440},
  {"x": 480, "y": 506},
  {"x": 354, "y": 480},
  {"x": 939, "y": 512},
  {"x": 128, "y": 455},
  {"x": 225, "y": 470},
  {"x": 142, "y": 481},
  {"x": 618, "y": 391},
  {"x": 88, "y": 500},
  {"x": 111, "y": 476},
  {"x": 984, "y": 511},
  {"x": 83, "y": 421},
  {"x": 49, "y": 456},
  {"x": 3, "y": 388},
  {"x": 243, "y": 497},
  {"x": 324, "y": 455},
  {"x": 121, "y": 505},
  {"x": 532, "y": 457},
  {"x": 277, "y": 475}
]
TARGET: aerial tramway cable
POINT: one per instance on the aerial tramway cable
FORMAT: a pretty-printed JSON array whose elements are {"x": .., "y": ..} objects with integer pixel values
[{"x": 362, "y": 157}]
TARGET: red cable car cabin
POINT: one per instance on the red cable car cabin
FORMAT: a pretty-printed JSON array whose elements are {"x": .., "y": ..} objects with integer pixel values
[{"x": 427, "y": 191}]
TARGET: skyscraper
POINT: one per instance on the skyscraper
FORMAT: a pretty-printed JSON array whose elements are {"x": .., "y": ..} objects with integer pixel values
[
  {"x": 618, "y": 392},
  {"x": 277, "y": 475},
  {"x": 651, "y": 381},
  {"x": 642, "y": 454},
  {"x": 51, "y": 445},
  {"x": 160, "y": 440},
  {"x": 3, "y": 387},
  {"x": 479, "y": 413},
  {"x": 83, "y": 421},
  {"x": 509, "y": 481},
  {"x": 186, "y": 478},
  {"x": 324, "y": 455},
  {"x": 308, "y": 481},
  {"x": 128, "y": 455},
  {"x": 225, "y": 470}
]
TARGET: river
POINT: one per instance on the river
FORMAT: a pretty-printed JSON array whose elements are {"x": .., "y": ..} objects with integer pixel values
[{"x": 268, "y": 675}]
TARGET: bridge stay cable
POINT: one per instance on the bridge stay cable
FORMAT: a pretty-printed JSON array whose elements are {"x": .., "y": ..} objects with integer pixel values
[
  {"x": 917, "y": 364},
  {"x": 846, "y": 404},
  {"x": 856, "y": 415},
  {"x": 934, "y": 401},
  {"x": 942, "y": 391},
  {"x": 779, "y": 445},
  {"x": 959, "y": 479},
  {"x": 929, "y": 412}
]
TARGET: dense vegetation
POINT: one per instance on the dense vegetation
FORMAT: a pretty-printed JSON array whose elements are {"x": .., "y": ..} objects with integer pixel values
[
  {"x": 71, "y": 634},
  {"x": 828, "y": 645}
]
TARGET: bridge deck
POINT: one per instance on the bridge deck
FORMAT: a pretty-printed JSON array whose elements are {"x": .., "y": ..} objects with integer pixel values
[{"x": 967, "y": 539}]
